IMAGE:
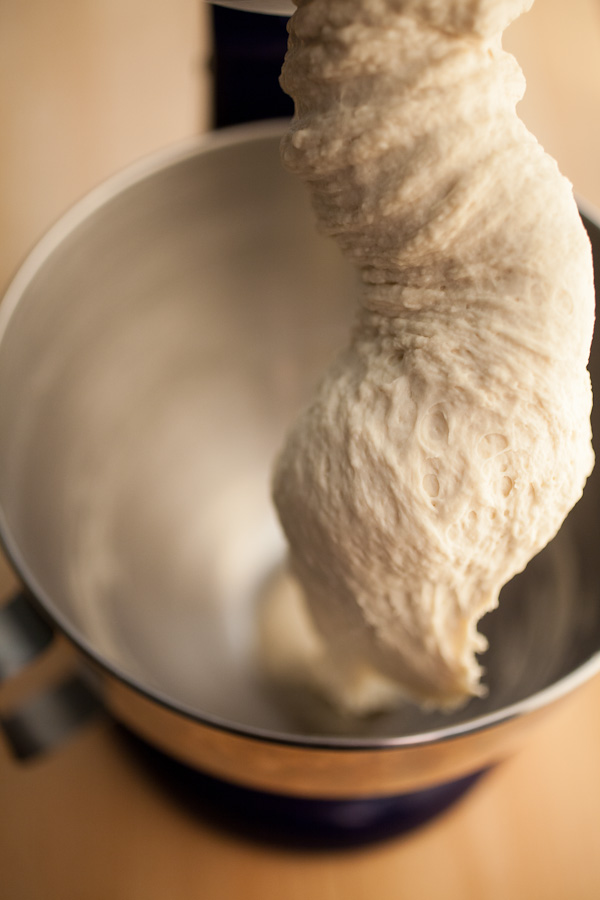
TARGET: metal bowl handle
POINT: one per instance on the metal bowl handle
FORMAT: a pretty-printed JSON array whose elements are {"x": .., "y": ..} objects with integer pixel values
[
  {"x": 47, "y": 719},
  {"x": 24, "y": 635}
]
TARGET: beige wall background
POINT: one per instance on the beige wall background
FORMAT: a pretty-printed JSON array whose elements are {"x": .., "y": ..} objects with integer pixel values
[
  {"x": 557, "y": 45},
  {"x": 87, "y": 86}
]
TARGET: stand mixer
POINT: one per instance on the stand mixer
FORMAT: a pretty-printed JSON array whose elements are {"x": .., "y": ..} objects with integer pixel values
[
  {"x": 272, "y": 7},
  {"x": 176, "y": 238},
  {"x": 248, "y": 52}
]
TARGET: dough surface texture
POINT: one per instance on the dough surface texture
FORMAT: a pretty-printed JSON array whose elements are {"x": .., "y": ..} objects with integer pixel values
[{"x": 447, "y": 443}]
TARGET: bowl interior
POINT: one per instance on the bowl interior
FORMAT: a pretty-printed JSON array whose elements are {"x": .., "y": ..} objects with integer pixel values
[{"x": 165, "y": 336}]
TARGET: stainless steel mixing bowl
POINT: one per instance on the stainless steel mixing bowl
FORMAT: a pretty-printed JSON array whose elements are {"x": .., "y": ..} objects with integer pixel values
[{"x": 153, "y": 349}]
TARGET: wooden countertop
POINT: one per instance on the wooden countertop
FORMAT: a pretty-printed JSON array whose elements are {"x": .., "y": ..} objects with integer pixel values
[{"x": 89, "y": 823}]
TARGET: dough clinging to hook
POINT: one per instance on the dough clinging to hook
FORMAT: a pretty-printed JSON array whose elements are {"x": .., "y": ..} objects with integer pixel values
[{"x": 445, "y": 446}]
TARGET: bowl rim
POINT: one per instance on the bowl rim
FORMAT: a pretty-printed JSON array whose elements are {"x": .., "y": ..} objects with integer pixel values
[{"x": 100, "y": 196}]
